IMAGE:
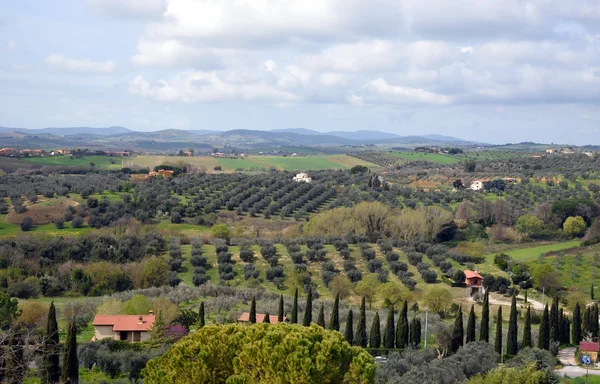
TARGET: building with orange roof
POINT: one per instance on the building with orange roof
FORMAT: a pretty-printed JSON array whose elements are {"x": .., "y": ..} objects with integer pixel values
[
  {"x": 260, "y": 318},
  {"x": 132, "y": 328},
  {"x": 474, "y": 282}
]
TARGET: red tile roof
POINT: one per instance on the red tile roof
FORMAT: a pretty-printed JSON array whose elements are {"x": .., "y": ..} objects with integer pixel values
[
  {"x": 470, "y": 274},
  {"x": 589, "y": 346},
  {"x": 260, "y": 318},
  {"x": 126, "y": 322}
]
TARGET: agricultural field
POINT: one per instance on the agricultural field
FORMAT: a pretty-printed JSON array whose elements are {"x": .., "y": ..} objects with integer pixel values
[
  {"x": 528, "y": 253},
  {"x": 100, "y": 162},
  {"x": 433, "y": 157},
  {"x": 250, "y": 163}
]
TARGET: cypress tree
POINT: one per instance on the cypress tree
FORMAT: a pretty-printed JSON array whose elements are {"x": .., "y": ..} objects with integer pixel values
[
  {"x": 458, "y": 333},
  {"x": 267, "y": 318},
  {"x": 512, "y": 346},
  {"x": 389, "y": 334},
  {"x": 201, "y": 322},
  {"x": 308, "y": 311},
  {"x": 527, "y": 330},
  {"x": 375, "y": 338},
  {"x": 586, "y": 320},
  {"x": 51, "y": 360},
  {"x": 566, "y": 329},
  {"x": 415, "y": 333},
  {"x": 294, "y": 319},
  {"x": 349, "y": 328},
  {"x": 554, "y": 324},
  {"x": 576, "y": 330},
  {"x": 70, "y": 366},
  {"x": 321, "y": 317},
  {"x": 280, "y": 310},
  {"x": 471, "y": 326},
  {"x": 498, "y": 341},
  {"x": 594, "y": 320},
  {"x": 252, "y": 318},
  {"x": 544, "y": 334},
  {"x": 592, "y": 291},
  {"x": 526, "y": 296},
  {"x": 403, "y": 327},
  {"x": 15, "y": 363},
  {"x": 484, "y": 332},
  {"x": 361, "y": 330},
  {"x": 334, "y": 321}
]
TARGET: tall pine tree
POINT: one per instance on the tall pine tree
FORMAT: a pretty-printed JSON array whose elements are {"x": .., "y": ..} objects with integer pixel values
[
  {"x": 458, "y": 333},
  {"x": 484, "y": 332},
  {"x": 252, "y": 318},
  {"x": 70, "y": 366},
  {"x": 471, "y": 326},
  {"x": 554, "y": 321},
  {"x": 361, "y": 330},
  {"x": 280, "y": 310},
  {"x": 576, "y": 329},
  {"x": 375, "y": 337},
  {"x": 512, "y": 346},
  {"x": 334, "y": 321},
  {"x": 544, "y": 333},
  {"x": 402, "y": 330},
  {"x": 389, "y": 335},
  {"x": 527, "y": 330},
  {"x": 349, "y": 334},
  {"x": 308, "y": 311},
  {"x": 498, "y": 340},
  {"x": 201, "y": 322},
  {"x": 321, "y": 317},
  {"x": 50, "y": 370},
  {"x": 415, "y": 333},
  {"x": 294, "y": 319}
]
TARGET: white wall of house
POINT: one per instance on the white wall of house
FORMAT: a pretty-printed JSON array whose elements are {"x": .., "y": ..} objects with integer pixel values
[{"x": 104, "y": 332}]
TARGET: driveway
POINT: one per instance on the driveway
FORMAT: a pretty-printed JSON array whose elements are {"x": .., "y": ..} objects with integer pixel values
[{"x": 570, "y": 368}]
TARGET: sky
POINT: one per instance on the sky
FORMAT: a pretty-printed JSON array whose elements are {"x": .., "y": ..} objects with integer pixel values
[{"x": 493, "y": 71}]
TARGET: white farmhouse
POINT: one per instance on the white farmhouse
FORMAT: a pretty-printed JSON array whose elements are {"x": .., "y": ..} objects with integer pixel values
[
  {"x": 477, "y": 185},
  {"x": 302, "y": 177}
]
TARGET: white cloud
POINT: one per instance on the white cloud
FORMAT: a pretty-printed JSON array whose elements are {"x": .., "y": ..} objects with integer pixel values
[
  {"x": 466, "y": 49},
  {"x": 11, "y": 45},
  {"x": 142, "y": 9},
  {"x": 68, "y": 64},
  {"x": 404, "y": 95}
]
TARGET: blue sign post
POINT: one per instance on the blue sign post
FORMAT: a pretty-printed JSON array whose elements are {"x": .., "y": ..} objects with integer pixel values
[{"x": 585, "y": 359}]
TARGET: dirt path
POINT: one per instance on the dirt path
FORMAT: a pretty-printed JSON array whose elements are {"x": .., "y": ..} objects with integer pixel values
[{"x": 570, "y": 368}]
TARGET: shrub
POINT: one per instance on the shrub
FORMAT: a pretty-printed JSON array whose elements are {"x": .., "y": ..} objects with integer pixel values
[
  {"x": 354, "y": 275},
  {"x": 59, "y": 223},
  {"x": 374, "y": 265},
  {"x": 23, "y": 289},
  {"x": 368, "y": 254},
  {"x": 26, "y": 224},
  {"x": 414, "y": 258},
  {"x": 247, "y": 255},
  {"x": 198, "y": 261},
  {"x": 429, "y": 276},
  {"x": 77, "y": 222},
  {"x": 224, "y": 353}
]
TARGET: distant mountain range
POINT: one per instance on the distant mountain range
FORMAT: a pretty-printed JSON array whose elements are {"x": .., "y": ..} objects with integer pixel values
[{"x": 175, "y": 139}]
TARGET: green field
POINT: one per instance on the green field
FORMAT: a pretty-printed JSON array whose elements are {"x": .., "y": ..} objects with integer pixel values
[
  {"x": 101, "y": 162},
  {"x": 534, "y": 252},
  {"x": 240, "y": 164}
]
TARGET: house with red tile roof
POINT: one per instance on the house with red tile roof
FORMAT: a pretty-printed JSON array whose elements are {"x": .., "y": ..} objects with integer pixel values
[
  {"x": 132, "y": 328},
  {"x": 474, "y": 282},
  {"x": 260, "y": 318}
]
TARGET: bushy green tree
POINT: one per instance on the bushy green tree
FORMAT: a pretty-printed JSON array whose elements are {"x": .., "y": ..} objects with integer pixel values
[
  {"x": 574, "y": 226},
  {"x": 261, "y": 354}
]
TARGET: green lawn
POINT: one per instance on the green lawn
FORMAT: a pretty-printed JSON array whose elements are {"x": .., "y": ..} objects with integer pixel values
[
  {"x": 534, "y": 252},
  {"x": 102, "y": 162}
]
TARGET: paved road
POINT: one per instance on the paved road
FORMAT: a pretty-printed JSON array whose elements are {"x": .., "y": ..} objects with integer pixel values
[{"x": 570, "y": 368}]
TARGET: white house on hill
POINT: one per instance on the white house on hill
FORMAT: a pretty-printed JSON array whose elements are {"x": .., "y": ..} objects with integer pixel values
[
  {"x": 302, "y": 177},
  {"x": 477, "y": 185}
]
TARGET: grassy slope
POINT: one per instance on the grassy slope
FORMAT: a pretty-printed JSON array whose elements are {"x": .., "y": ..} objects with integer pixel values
[
  {"x": 101, "y": 162},
  {"x": 527, "y": 253}
]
